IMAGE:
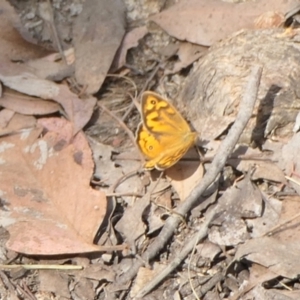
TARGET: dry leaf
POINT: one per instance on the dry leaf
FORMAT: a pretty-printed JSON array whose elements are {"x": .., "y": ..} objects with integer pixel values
[
  {"x": 54, "y": 282},
  {"x": 50, "y": 207},
  {"x": 27, "y": 105},
  {"x": 18, "y": 78},
  {"x": 280, "y": 258},
  {"x": 105, "y": 169},
  {"x": 17, "y": 123},
  {"x": 237, "y": 203},
  {"x": 161, "y": 205},
  {"x": 97, "y": 272},
  {"x": 131, "y": 39},
  {"x": 205, "y": 22},
  {"x": 144, "y": 276},
  {"x": 84, "y": 289},
  {"x": 109, "y": 172},
  {"x": 258, "y": 275},
  {"x": 98, "y": 33},
  {"x": 184, "y": 177},
  {"x": 269, "y": 219},
  {"x": 231, "y": 233},
  {"x": 289, "y": 232},
  {"x": 5, "y": 116},
  {"x": 53, "y": 67},
  {"x": 187, "y": 54},
  {"x": 208, "y": 250},
  {"x": 131, "y": 225},
  {"x": 297, "y": 123},
  {"x": 268, "y": 171},
  {"x": 259, "y": 292}
]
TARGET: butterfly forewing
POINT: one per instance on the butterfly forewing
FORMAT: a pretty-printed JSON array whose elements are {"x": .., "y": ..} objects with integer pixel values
[{"x": 160, "y": 116}]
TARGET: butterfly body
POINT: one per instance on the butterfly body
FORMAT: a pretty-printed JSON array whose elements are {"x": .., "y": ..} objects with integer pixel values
[{"x": 163, "y": 136}]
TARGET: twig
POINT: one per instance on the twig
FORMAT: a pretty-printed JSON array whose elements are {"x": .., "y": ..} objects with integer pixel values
[
  {"x": 183, "y": 254},
  {"x": 47, "y": 14},
  {"x": 25, "y": 290},
  {"x": 129, "y": 194},
  {"x": 41, "y": 267},
  {"x": 292, "y": 180},
  {"x": 244, "y": 114},
  {"x": 49, "y": 18},
  {"x": 6, "y": 281},
  {"x": 210, "y": 284}
]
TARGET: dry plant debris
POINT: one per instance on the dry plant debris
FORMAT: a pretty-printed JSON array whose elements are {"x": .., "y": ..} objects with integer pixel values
[
  {"x": 206, "y": 22},
  {"x": 76, "y": 210}
]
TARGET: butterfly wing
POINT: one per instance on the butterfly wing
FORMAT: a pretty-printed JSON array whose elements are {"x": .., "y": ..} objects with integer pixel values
[
  {"x": 161, "y": 117},
  {"x": 172, "y": 155},
  {"x": 148, "y": 144},
  {"x": 161, "y": 154},
  {"x": 164, "y": 136}
]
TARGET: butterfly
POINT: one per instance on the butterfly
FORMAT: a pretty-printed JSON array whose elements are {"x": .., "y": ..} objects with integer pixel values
[{"x": 164, "y": 136}]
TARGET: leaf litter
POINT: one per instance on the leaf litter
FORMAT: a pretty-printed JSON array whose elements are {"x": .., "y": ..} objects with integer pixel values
[{"x": 47, "y": 166}]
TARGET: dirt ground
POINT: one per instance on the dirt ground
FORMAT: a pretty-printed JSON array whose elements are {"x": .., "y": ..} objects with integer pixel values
[{"x": 81, "y": 217}]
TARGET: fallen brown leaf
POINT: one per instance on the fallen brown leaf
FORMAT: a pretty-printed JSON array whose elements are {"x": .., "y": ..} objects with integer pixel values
[
  {"x": 258, "y": 275},
  {"x": 259, "y": 292},
  {"x": 184, "y": 177},
  {"x": 270, "y": 218},
  {"x": 98, "y": 33},
  {"x": 187, "y": 54},
  {"x": 17, "y": 123},
  {"x": 268, "y": 171},
  {"x": 205, "y": 22},
  {"x": 49, "y": 206},
  {"x": 144, "y": 276},
  {"x": 5, "y": 116},
  {"x": 131, "y": 39},
  {"x": 131, "y": 225},
  {"x": 27, "y": 105},
  {"x": 54, "y": 282},
  {"x": 53, "y": 67},
  {"x": 19, "y": 78},
  {"x": 237, "y": 203},
  {"x": 280, "y": 258}
]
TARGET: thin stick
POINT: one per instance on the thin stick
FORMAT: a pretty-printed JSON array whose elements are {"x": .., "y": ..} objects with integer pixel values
[
  {"x": 227, "y": 146},
  {"x": 42, "y": 267},
  {"x": 49, "y": 18}
]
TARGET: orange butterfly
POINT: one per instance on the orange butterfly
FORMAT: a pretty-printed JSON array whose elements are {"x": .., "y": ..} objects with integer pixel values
[{"x": 163, "y": 136}]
